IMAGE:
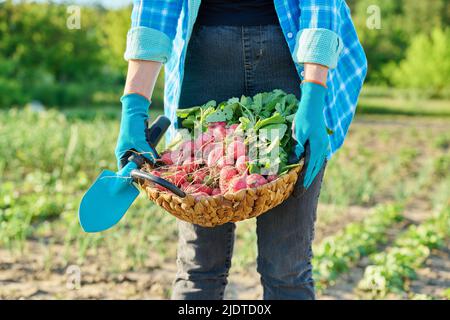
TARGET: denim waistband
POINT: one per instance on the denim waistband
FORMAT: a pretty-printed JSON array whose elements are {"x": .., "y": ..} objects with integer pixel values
[{"x": 230, "y": 61}]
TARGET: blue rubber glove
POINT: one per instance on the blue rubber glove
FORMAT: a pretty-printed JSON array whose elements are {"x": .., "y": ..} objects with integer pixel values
[
  {"x": 133, "y": 126},
  {"x": 309, "y": 126}
]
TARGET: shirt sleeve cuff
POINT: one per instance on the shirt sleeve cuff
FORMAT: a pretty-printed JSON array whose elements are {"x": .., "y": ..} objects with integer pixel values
[
  {"x": 319, "y": 46},
  {"x": 147, "y": 44}
]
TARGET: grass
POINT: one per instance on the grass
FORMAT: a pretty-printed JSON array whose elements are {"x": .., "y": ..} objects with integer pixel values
[
  {"x": 398, "y": 102},
  {"x": 404, "y": 107},
  {"x": 48, "y": 159}
]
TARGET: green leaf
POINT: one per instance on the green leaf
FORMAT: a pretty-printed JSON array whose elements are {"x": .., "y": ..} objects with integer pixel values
[
  {"x": 254, "y": 168},
  {"x": 224, "y": 114},
  {"x": 188, "y": 123},
  {"x": 275, "y": 119},
  {"x": 184, "y": 113},
  {"x": 275, "y": 131}
]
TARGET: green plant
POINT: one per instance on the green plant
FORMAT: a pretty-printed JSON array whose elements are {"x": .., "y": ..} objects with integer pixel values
[
  {"x": 426, "y": 65},
  {"x": 391, "y": 270},
  {"x": 336, "y": 254}
]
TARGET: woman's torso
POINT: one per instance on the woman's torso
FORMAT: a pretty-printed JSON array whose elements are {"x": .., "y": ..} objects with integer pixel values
[{"x": 237, "y": 13}]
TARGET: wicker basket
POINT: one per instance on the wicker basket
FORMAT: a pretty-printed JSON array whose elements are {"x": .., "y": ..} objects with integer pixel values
[{"x": 231, "y": 207}]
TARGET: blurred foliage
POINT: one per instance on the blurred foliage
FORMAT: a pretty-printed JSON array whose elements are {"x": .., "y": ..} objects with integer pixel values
[
  {"x": 42, "y": 59},
  {"x": 401, "y": 21},
  {"x": 48, "y": 61},
  {"x": 427, "y": 64}
]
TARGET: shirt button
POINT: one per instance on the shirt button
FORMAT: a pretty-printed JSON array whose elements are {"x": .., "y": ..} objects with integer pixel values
[
  {"x": 302, "y": 74},
  {"x": 290, "y": 35}
]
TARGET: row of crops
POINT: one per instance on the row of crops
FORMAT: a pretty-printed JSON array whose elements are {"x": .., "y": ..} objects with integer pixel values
[{"x": 390, "y": 271}]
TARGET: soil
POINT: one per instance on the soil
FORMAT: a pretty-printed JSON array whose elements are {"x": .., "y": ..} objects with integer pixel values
[{"x": 32, "y": 276}]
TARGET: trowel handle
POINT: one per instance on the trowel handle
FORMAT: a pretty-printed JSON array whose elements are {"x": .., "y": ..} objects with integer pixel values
[
  {"x": 138, "y": 174},
  {"x": 157, "y": 130}
]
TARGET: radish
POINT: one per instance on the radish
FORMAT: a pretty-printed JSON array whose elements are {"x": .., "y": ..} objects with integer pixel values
[
  {"x": 272, "y": 177},
  {"x": 241, "y": 164},
  {"x": 226, "y": 174},
  {"x": 226, "y": 160},
  {"x": 255, "y": 180},
  {"x": 218, "y": 124},
  {"x": 206, "y": 151},
  {"x": 185, "y": 185},
  {"x": 155, "y": 173},
  {"x": 216, "y": 191},
  {"x": 219, "y": 133},
  {"x": 178, "y": 178},
  {"x": 238, "y": 183},
  {"x": 187, "y": 147},
  {"x": 178, "y": 156},
  {"x": 199, "y": 176},
  {"x": 203, "y": 140},
  {"x": 166, "y": 158},
  {"x": 215, "y": 155},
  {"x": 190, "y": 165},
  {"x": 236, "y": 149},
  {"x": 194, "y": 188},
  {"x": 233, "y": 127}
]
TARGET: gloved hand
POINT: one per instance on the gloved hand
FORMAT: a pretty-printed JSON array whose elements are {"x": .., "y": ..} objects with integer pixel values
[
  {"x": 132, "y": 135},
  {"x": 309, "y": 126}
]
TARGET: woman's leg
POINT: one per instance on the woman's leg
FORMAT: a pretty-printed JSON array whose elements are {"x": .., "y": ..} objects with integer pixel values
[
  {"x": 213, "y": 71},
  {"x": 285, "y": 233},
  {"x": 204, "y": 258}
]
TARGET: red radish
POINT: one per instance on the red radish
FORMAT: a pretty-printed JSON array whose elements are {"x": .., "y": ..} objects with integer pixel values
[
  {"x": 218, "y": 124},
  {"x": 236, "y": 149},
  {"x": 166, "y": 158},
  {"x": 178, "y": 156},
  {"x": 190, "y": 165},
  {"x": 188, "y": 146},
  {"x": 255, "y": 180},
  {"x": 238, "y": 183},
  {"x": 194, "y": 188},
  {"x": 178, "y": 178},
  {"x": 219, "y": 133},
  {"x": 160, "y": 188},
  {"x": 155, "y": 173},
  {"x": 241, "y": 163},
  {"x": 185, "y": 185},
  {"x": 215, "y": 155},
  {"x": 226, "y": 160},
  {"x": 272, "y": 177},
  {"x": 226, "y": 174},
  {"x": 216, "y": 191},
  {"x": 203, "y": 140},
  {"x": 233, "y": 127},
  {"x": 199, "y": 176},
  {"x": 204, "y": 153}
]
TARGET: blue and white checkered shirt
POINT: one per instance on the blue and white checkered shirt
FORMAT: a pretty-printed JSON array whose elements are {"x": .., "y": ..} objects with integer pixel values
[{"x": 316, "y": 31}]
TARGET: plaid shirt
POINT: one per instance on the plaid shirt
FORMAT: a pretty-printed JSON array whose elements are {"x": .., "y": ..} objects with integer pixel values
[{"x": 316, "y": 31}]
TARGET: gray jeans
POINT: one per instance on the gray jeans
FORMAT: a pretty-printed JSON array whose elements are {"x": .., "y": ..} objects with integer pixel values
[{"x": 222, "y": 62}]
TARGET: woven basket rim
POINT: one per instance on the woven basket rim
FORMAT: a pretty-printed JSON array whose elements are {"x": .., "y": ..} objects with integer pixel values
[{"x": 213, "y": 210}]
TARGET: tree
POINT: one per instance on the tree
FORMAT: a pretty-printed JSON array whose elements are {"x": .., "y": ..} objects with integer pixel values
[{"x": 427, "y": 65}]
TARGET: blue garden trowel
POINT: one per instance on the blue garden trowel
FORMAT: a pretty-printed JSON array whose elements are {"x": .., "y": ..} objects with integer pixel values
[{"x": 110, "y": 196}]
